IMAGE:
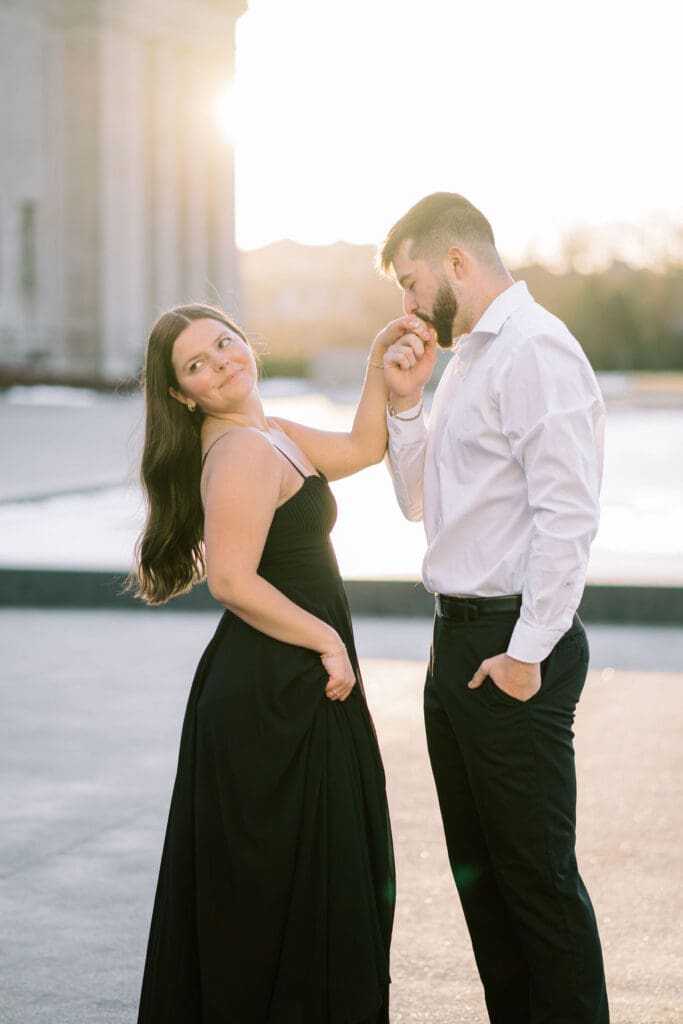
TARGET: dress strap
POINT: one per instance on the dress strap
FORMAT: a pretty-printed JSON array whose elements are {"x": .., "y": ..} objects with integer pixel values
[
  {"x": 291, "y": 461},
  {"x": 224, "y": 434}
]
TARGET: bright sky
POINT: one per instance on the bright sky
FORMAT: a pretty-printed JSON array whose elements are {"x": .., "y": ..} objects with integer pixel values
[{"x": 548, "y": 115}]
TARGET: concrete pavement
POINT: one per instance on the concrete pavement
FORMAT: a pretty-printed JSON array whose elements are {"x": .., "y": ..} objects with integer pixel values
[{"x": 92, "y": 704}]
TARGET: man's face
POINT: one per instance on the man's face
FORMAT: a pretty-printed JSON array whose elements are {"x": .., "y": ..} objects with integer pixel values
[{"x": 427, "y": 293}]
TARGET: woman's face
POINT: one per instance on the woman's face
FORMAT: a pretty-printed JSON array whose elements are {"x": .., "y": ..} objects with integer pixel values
[{"x": 215, "y": 368}]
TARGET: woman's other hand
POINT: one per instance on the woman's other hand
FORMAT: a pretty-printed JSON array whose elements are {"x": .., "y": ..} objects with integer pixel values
[{"x": 342, "y": 678}]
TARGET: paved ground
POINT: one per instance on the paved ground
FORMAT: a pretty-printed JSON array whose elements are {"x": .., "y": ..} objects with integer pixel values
[{"x": 92, "y": 703}]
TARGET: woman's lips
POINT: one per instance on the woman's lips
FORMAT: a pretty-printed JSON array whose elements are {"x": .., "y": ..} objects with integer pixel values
[{"x": 230, "y": 379}]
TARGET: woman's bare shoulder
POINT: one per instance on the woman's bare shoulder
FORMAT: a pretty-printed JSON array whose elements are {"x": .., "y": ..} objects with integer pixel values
[{"x": 238, "y": 452}]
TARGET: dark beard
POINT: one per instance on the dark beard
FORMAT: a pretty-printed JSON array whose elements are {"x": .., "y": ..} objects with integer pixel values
[{"x": 444, "y": 312}]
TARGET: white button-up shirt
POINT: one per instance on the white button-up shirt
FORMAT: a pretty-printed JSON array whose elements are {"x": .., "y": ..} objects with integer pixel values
[{"x": 506, "y": 477}]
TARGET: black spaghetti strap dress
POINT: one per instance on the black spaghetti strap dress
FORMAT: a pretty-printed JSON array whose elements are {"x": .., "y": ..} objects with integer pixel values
[{"x": 275, "y": 897}]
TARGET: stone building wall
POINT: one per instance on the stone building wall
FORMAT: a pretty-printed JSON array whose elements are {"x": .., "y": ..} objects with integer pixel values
[{"x": 116, "y": 185}]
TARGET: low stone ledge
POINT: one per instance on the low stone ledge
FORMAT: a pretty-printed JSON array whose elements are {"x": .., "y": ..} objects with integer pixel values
[{"x": 57, "y": 588}]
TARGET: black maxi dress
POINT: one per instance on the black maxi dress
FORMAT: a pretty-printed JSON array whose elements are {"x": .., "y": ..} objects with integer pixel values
[{"x": 275, "y": 897}]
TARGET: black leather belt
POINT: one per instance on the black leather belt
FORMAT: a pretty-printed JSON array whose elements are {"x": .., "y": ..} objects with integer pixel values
[{"x": 469, "y": 609}]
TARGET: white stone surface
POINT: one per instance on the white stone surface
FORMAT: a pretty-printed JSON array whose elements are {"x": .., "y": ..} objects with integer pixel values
[{"x": 84, "y": 455}]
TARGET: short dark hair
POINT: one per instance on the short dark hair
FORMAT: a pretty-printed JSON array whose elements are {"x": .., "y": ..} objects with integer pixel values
[{"x": 433, "y": 224}]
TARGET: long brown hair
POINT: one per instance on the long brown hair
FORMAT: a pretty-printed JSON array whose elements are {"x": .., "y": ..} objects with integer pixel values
[{"x": 169, "y": 555}]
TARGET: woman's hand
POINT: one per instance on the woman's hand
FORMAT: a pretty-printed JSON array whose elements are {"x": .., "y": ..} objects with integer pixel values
[
  {"x": 342, "y": 678},
  {"x": 409, "y": 363},
  {"x": 395, "y": 331}
]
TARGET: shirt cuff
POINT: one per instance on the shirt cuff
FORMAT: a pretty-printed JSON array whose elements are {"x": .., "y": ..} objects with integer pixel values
[
  {"x": 528, "y": 643},
  {"x": 407, "y": 430}
]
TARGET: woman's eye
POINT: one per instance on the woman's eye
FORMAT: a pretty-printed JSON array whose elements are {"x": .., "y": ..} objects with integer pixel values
[
  {"x": 224, "y": 342},
  {"x": 195, "y": 366}
]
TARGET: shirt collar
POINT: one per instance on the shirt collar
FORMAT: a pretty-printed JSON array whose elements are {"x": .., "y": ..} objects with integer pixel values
[{"x": 503, "y": 306}]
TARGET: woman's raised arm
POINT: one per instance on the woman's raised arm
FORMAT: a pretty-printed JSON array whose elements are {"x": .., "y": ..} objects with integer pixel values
[{"x": 338, "y": 454}]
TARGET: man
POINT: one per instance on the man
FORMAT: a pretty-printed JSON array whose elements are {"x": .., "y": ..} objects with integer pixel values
[{"x": 506, "y": 478}]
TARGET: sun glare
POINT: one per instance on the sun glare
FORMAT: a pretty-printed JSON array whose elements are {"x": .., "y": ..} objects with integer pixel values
[
  {"x": 225, "y": 109},
  {"x": 339, "y": 138}
]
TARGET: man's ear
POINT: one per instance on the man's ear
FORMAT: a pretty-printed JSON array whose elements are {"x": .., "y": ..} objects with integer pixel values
[{"x": 456, "y": 257}]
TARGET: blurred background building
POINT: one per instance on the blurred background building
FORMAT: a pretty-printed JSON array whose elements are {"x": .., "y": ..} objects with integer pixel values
[
  {"x": 116, "y": 188},
  {"x": 117, "y": 197}
]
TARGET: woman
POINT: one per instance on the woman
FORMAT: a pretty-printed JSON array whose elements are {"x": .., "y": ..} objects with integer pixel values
[{"x": 275, "y": 897}]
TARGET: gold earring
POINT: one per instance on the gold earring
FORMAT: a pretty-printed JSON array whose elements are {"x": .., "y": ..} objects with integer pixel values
[{"x": 192, "y": 406}]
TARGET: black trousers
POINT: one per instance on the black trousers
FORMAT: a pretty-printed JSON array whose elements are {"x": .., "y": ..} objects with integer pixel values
[{"x": 506, "y": 782}]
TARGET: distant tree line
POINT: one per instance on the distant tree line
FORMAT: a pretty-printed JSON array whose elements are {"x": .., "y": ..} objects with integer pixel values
[
  {"x": 299, "y": 300},
  {"x": 625, "y": 318}
]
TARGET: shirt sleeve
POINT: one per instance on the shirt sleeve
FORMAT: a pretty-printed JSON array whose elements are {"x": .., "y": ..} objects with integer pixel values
[
  {"x": 553, "y": 415},
  {"x": 405, "y": 459}
]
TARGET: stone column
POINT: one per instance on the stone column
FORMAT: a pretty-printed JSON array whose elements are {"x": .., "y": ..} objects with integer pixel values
[
  {"x": 163, "y": 147},
  {"x": 123, "y": 201},
  {"x": 196, "y": 130},
  {"x": 82, "y": 251},
  {"x": 222, "y": 256},
  {"x": 116, "y": 187},
  {"x": 51, "y": 220},
  {"x": 29, "y": 313}
]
